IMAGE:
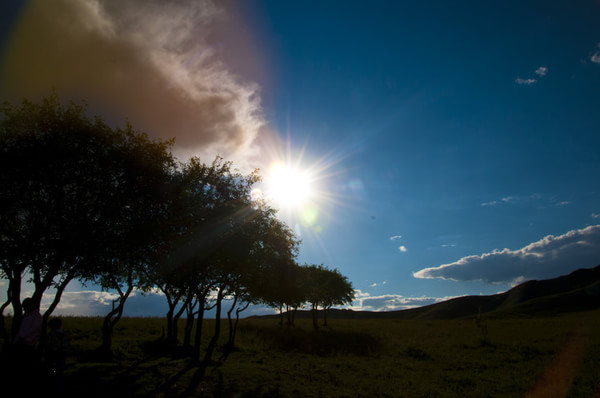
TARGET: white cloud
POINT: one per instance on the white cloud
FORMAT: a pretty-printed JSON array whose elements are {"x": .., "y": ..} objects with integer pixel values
[
  {"x": 390, "y": 302},
  {"x": 549, "y": 257},
  {"x": 595, "y": 58},
  {"x": 403, "y": 249},
  {"x": 541, "y": 71},
  {"x": 526, "y": 82},
  {"x": 492, "y": 203},
  {"x": 595, "y": 215},
  {"x": 506, "y": 199},
  {"x": 159, "y": 64},
  {"x": 396, "y": 237}
]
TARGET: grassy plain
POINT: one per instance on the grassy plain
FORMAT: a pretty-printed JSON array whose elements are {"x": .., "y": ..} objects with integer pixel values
[{"x": 520, "y": 357}]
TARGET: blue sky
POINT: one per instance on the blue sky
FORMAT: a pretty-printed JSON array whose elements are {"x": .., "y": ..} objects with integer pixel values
[{"x": 436, "y": 133}]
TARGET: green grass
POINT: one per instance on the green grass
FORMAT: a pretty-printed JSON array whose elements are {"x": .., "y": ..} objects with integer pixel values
[{"x": 352, "y": 358}]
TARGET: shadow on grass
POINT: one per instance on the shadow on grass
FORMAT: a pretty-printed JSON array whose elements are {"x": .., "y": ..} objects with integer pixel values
[
  {"x": 166, "y": 370},
  {"x": 322, "y": 342}
]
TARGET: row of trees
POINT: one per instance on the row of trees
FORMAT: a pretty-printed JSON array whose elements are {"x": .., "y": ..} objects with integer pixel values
[{"x": 83, "y": 201}]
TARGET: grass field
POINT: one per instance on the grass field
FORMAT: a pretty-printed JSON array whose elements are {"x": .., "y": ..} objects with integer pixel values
[{"x": 545, "y": 357}]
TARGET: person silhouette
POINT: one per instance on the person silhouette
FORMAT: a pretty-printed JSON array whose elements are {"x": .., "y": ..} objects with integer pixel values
[
  {"x": 31, "y": 326},
  {"x": 26, "y": 361}
]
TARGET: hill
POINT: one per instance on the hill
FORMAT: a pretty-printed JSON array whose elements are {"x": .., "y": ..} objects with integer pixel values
[{"x": 578, "y": 291}]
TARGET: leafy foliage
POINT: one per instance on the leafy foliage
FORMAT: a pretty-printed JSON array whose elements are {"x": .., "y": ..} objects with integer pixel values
[{"x": 82, "y": 200}]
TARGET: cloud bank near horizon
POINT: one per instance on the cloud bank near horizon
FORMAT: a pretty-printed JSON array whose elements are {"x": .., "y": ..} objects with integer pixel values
[
  {"x": 390, "y": 302},
  {"x": 549, "y": 257},
  {"x": 157, "y": 64}
]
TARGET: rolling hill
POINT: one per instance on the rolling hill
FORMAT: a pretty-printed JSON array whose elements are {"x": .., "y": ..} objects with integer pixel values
[{"x": 577, "y": 291}]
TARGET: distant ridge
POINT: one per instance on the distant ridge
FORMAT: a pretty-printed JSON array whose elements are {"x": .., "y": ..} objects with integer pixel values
[{"x": 578, "y": 291}]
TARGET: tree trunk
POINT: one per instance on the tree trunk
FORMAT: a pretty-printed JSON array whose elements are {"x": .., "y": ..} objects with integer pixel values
[
  {"x": 14, "y": 291},
  {"x": 175, "y": 329},
  {"x": 314, "y": 316},
  {"x": 214, "y": 340},
  {"x": 170, "y": 313},
  {"x": 325, "y": 316},
  {"x": 5, "y": 335},
  {"x": 237, "y": 319},
  {"x": 281, "y": 315},
  {"x": 53, "y": 305},
  {"x": 294, "y": 316},
  {"x": 288, "y": 316},
  {"x": 189, "y": 324},
  {"x": 171, "y": 317},
  {"x": 230, "y": 322},
  {"x": 111, "y": 319},
  {"x": 198, "y": 336}
]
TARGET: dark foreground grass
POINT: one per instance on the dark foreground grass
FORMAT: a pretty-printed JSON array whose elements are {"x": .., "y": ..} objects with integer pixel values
[{"x": 352, "y": 358}]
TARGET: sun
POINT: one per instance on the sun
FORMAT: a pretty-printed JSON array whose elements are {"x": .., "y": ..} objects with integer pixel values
[{"x": 287, "y": 186}]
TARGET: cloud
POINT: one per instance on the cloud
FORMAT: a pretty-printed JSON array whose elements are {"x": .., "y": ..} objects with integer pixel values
[
  {"x": 506, "y": 199},
  {"x": 492, "y": 203},
  {"x": 396, "y": 237},
  {"x": 390, "y": 302},
  {"x": 549, "y": 257},
  {"x": 158, "y": 64},
  {"x": 403, "y": 249},
  {"x": 526, "y": 82},
  {"x": 595, "y": 215},
  {"x": 99, "y": 303},
  {"x": 541, "y": 71},
  {"x": 595, "y": 57}
]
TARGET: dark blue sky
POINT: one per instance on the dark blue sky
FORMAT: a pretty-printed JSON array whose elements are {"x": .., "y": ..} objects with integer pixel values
[
  {"x": 452, "y": 146},
  {"x": 437, "y": 133}
]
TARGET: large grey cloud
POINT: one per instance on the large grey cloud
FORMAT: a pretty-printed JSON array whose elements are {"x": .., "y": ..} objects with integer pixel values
[
  {"x": 159, "y": 64},
  {"x": 547, "y": 258}
]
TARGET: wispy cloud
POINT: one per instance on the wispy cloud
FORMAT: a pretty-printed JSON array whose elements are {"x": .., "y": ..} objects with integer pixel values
[
  {"x": 595, "y": 215},
  {"x": 491, "y": 203},
  {"x": 396, "y": 237},
  {"x": 390, "y": 302},
  {"x": 549, "y": 257},
  {"x": 527, "y": 82},
  {"x": 506, "y": 199},
  {"x": 541, "y": 71},
  {"x": 595, "y": 57}
]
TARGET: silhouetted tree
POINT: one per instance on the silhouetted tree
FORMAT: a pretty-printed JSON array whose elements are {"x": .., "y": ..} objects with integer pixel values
[
  {"x": 338, "y": 291},
  {"x": 72, "y": 188},
  {"x": 325, "y": 288},
  {"x": 274, "y": 283}
]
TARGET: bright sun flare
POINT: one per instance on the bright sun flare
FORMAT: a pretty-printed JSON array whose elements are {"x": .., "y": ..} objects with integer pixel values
[{"x": 287, "y": 186}]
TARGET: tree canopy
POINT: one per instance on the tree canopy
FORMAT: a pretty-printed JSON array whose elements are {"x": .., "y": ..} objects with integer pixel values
[{"x": 83, "y": 200}]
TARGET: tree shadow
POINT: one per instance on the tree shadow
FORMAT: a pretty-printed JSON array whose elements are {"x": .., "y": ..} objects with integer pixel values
[{"x": 321, "y": 342}]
